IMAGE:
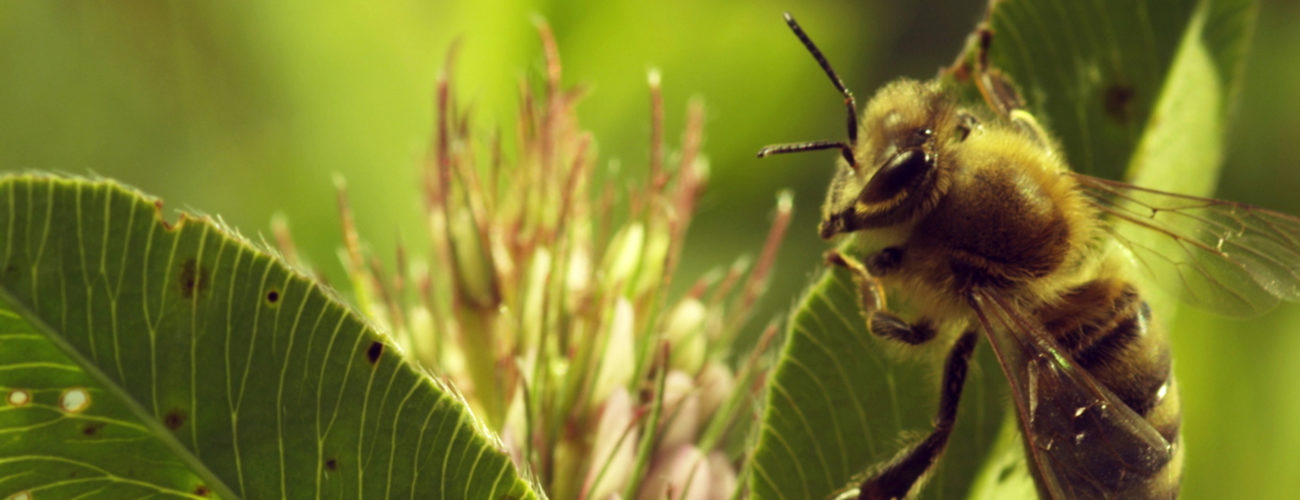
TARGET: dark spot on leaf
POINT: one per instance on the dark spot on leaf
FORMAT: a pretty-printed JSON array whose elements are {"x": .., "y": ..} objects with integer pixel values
[
  {"x": 376, "y": 349},
  {"x": 91, "y": 429},
  {"x": 332, "y": 464},
  {"x": 194, "y": 278},
  {"x": 1005, "y": 473},
  {"x": 273, "y": 296},
  {"x": 174, "y": 419},
  {"x": 201, "y": 491},
  {"x": 1117, "y": 101}
]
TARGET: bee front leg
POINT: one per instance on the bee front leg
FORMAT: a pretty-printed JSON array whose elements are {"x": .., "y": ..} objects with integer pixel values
[
  {"x": 880, "y": 321},
  {"x": 900, "y": 476}
]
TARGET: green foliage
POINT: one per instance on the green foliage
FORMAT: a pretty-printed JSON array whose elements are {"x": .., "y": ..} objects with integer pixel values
[
  {"x": 840, "y": 401},
  {"x": 209, "y": 366},
  {"x": 1133, "y": 90},
  {"x": 1091, "y": 71}
]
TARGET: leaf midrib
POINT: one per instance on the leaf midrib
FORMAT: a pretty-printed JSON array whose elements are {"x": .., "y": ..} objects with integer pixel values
[{"x": 155, "y": 427}]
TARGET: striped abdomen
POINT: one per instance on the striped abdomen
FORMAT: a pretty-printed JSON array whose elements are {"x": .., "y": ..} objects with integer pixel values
[{"x": 1104, "y": 326}]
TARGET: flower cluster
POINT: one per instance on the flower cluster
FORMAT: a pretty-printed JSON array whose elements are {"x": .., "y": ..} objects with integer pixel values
[{"x": 546, "y": 302}]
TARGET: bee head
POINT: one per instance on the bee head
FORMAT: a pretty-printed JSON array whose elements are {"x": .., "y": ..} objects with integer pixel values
[
  {"x": 894, "y": 176},
  {"x": 890, "y": 175}
]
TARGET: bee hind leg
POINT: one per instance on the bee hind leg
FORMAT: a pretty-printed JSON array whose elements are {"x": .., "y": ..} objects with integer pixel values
[
  {"x": 880, "y": 321},
  {"x": 901, "y": 475}
]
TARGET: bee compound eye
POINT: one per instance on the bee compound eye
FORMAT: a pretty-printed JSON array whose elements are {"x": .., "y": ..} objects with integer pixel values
[{"x": 902, "y": 171}]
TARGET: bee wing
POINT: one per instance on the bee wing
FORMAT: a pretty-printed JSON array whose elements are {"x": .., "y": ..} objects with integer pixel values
[
  {"x": 1226, "y": 257},
  {"x": 1080, "y": 437}
]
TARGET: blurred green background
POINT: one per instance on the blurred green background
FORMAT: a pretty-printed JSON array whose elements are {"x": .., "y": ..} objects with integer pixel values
[{"x": 245, "y": 109}]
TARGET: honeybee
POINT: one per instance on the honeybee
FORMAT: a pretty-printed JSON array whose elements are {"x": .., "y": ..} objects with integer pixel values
[{"x": 975, "y": 218}]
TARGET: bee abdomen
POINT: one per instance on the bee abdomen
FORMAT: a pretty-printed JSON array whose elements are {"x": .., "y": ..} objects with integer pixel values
[{"x": 1105, "y": 326}]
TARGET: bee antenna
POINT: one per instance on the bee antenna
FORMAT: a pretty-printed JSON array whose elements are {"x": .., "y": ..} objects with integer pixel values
[
  {"x": 849, "y": 102},
  {"x": 846, "y": 148},
  {"x": 795, "y": 147}
]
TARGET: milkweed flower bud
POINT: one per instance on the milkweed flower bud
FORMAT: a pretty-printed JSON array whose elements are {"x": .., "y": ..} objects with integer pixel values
[
  {"x": 681, "y": 411},
  {"x": 721, "y": 475},
  {"x": 618, "y": 359},
  {"x": 614, "y": 450},
  {"x": 624, "y": 255},
  {"x": 570, "y": 457},
  {"x": 475, "y": 275},
  {"x": 650, "y": 272},
  {"x": 422, "y": 333},
  {"x": 685, "y": 334},
  {"x": 578, "y": 279},
  {"x": 534, "y": 298},
  {"x": 716, "y": 383},
  {"x": 682, "y": 472}
]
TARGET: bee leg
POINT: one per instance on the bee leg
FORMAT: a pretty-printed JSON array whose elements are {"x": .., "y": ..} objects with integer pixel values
[
  {"x": 889, "y": 325},
  {"x": 966, "y": 123},
  {"x": 1000, "y": 92},
  {"x": 879, "y": 320},
  {"x": 1029, "y": 126},
  {"x": 901, "y": 475}
]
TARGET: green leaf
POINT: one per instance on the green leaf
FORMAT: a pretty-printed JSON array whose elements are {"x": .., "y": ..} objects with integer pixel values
[
  {"x": 1134, "y": 90},
  {"x": 1090, "y": 71},
  {"x": 1104, "y": 76},
  {"x": 842, "y": 400},
  {"x": 181, "y": 360}
]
